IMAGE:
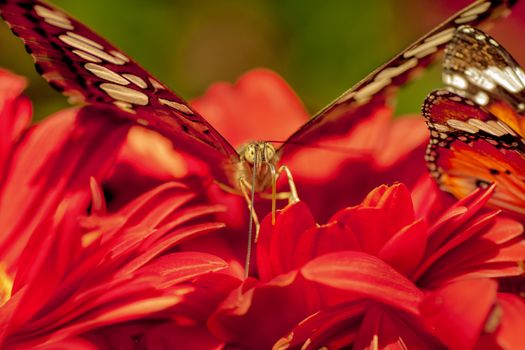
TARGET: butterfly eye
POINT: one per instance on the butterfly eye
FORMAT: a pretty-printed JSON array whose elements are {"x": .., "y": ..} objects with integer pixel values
[
  {"x": 269, "y": 152},
  {"x": 249, "y": 153}
]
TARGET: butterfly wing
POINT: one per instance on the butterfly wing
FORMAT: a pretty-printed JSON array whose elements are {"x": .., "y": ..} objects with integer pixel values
[
  {"x": 82, "y": 65},
  {"x": 478, "y": 67},
  {"x": 471, "y": 147},
  {"x": 339, "y": 117}
]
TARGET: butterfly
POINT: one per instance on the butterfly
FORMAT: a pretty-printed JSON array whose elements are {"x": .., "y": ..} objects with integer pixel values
[
  {"x": 87, "y": 68},
  {"x": 476, "y": 125}
]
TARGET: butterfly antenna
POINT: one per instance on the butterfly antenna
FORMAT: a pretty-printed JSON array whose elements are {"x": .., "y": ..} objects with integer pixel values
[
  {"x": 250, "y": 228},
  {"x": 331, "y": 148}
]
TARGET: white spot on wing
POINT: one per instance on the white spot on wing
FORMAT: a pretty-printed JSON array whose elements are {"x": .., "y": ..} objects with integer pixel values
[
  {"x": 520, "y": 74},
  {"x": 125, "y": 106},
  {"x": 125, "y": 94},
  {"x": 391, "y": 72},
  {"x": 461, "y": 125},
  {"x": 86, "y": 56},
  {"x": 465, "y": 19},
  {"x": 366, "y": 92},
  {"x": 136, "y": 80},
  {"x": 54, "y": 18},
  {"x": 94, "y": 51},
  {"x": 495, "y": 125},
  {"x": 46, "y": 13},
  {"x": 507, "y": 128},
  {"x": 430, "y": 45},
  {"x": 59, "y": 24},
  {"x": 447, "y": 34},
  {"x": 119, "y": 55},
  {"x": 485, "y": 127},
  {"x": 175, "y": 105},
  {"x": 506, "y": 78},
  {"x": 105, "y": 73},
  {"x": 477, "y": 9},
  {"x": 480, "y": 79},
  {"x": 481, "y": 98},
  {"x": 455, "y": 80},
  {"x": 441, "y": 127},
  {"x": 155, "y": 84},
  {"x": 142, "y": 122},
  {"x": 85, "y": 40}
]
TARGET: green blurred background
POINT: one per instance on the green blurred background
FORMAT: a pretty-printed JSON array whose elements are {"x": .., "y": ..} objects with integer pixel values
[{"x": 321, "y": 48}]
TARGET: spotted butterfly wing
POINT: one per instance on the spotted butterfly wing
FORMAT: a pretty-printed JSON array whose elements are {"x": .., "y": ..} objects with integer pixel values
[
  {"x": 471, "y": 147},
  {"x": 339, "y": 116},
  {"x": 476, "y": 136},
  {"x": 477, "y": 67},
  {"x": 84, "y": 66}
]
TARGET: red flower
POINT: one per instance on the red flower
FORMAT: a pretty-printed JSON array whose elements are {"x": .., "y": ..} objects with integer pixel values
[
  {"x": 323, "y": 285},
  {"x": 83, "y": 272},
  {"x": 69, "y": 268}
]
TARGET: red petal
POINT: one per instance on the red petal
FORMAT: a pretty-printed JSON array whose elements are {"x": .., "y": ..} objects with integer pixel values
[
  {"x": 173, "y": 336},
  {"x": 364, "y": 276},
  {"x": 510, "y": 334},
  {"x": 179, "y": 267},
  {"x": 277, "y": 243},
  {"x": 252, "y": 108},
  {"x": 55, "y": 161},
  {"x": 406, "y": 248},
  {"x": 257, "y": 318},
  {"x": 383, "y": 328},
  {"x": 457, "y": 312},
  {"x": 15, "y": 115},
  {"x": 340, "y": 321},
  {"x": 321, "y": 240},
  {"x": 404, "y": 136},
  {"x": 370, "y": 227}
]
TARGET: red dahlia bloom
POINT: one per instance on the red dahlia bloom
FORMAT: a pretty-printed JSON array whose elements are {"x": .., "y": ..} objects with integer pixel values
[{"x": 360, "y": 278}]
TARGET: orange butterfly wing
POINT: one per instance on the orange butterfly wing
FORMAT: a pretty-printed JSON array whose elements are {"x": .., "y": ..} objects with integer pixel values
[{"x": 471, "y": 147}]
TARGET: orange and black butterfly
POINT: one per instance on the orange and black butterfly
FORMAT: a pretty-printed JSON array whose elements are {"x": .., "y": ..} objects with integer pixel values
[
  {"x": 86, "y": 67},
  {"x": 477, "y": 126}
]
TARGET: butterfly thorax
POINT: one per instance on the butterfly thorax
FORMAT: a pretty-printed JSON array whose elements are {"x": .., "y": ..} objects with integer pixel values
[{"x": 257, "y": 158}]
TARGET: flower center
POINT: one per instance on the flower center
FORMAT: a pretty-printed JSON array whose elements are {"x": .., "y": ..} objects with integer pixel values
[{"x": 6, "y": 285}]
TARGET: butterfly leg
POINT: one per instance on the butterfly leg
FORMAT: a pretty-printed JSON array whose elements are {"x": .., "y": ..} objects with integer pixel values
[
  {"x": 292, "y": 196},
  {"x": 226, "y": 188}
]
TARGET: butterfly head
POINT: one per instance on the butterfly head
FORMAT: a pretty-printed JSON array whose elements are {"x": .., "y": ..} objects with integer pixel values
[
  {"x": 258, "y": 153},
  {"x": 258, "y": 158}
]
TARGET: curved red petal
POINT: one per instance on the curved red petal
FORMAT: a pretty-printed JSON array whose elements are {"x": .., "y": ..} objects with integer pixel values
[
  {"x": 456, "y": 313},
  {"x": 55, "y": 161},
  {"x": 364, "y": 276},
  {"x": 406, "y": 248},
  {"x": 251, "y": 108},
  {"x": 278, "y": 242}
]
